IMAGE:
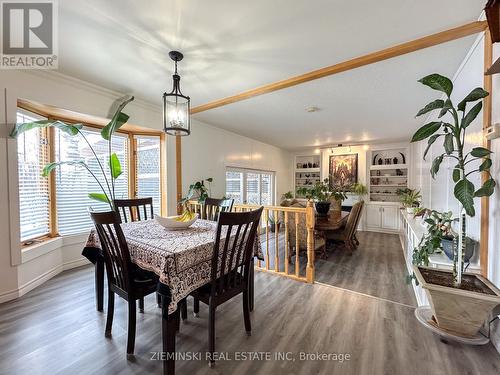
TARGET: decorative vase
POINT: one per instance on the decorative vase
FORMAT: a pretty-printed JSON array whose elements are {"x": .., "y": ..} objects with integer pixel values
[
  {"x": 322, "y": 208},
  {"x": 448, "y": 246}
]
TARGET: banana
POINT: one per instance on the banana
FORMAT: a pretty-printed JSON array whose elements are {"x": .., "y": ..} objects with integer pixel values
[{"x": 186, "y": 216}]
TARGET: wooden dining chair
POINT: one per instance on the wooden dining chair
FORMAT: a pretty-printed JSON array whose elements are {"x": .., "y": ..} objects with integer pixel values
[
  {"x": 211, "y": 208},
  {"x": 346, "y": 234},
  {"x": 136, "y": 209},
  {"x": 130, "y": 210},
  {"x": 356, "y": 225},
  {"x": 124, "y": 278},
  {"x": 230, "y": 267}
]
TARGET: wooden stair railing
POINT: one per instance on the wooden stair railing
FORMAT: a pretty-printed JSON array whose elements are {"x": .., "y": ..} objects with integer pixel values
[{"x": 275, "y": 253}]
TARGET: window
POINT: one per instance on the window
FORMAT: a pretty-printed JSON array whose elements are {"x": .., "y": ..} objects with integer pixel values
[
  {"x": 34, "y": 196},
  {"x": 234, "y": 186},
  {"x": 59, "y": 205},
  {"x": 250, "y": 186},
  {"x": 73, "y": 184},
  {"x": 148, "y": 169}
]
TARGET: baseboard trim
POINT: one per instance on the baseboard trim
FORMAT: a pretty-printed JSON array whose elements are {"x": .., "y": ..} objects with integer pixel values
[
  {"x": 75, "y": 263},
  {"x": 41, "y": 279}
]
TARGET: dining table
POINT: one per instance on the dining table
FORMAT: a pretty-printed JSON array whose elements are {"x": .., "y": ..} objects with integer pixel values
[{"x": 180, "y": 258}]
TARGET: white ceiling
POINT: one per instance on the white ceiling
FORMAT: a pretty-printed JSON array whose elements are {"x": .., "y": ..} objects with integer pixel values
[{"x": 231, "y": 46}]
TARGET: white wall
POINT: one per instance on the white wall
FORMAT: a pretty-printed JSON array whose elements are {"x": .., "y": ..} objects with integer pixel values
[
  {"x": 209, "y": 150},
  {"x": 205, "y": 153},
  {"x": 438, "y": 193}
]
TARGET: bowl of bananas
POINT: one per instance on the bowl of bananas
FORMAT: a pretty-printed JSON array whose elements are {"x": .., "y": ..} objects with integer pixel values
[{"x": 177, "y": 222}]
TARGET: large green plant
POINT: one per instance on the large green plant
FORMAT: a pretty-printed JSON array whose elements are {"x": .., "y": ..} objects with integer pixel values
[
  {"x": 453, "y": 135},
  {"x": 115, "y": 170},
  {"x": 321, "y": 191}
]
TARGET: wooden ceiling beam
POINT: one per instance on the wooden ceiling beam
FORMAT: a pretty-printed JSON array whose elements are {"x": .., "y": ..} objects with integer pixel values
[{"x": 388, "y": 53}]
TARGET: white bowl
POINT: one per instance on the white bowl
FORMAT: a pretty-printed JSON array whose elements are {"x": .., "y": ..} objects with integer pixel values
[{"x": 171, "y": 224}]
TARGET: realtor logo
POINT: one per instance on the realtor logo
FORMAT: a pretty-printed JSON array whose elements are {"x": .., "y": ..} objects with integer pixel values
[{"x": 28, "y": 34}]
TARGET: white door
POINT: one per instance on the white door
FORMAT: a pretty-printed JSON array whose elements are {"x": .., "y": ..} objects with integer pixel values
[
  {"x": 390, "y": 217},
  {"x": 373, "y": 216}
]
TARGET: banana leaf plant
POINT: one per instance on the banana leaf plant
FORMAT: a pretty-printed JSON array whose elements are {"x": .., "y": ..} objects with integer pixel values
[
  {"x": 453, "y": 135},
  {"x": 106, "y": 183}
]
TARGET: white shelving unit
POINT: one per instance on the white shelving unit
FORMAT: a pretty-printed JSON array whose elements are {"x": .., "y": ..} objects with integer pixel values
[
  {"x": 388, "y": 172},
  {"x": 307, "y": 171}
]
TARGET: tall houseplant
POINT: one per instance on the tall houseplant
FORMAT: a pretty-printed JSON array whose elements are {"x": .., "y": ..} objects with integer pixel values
[
  {"x": 459, "y": 303},
  {"x": 107, "y": 183},
  {"x": 453, "y": 135}
]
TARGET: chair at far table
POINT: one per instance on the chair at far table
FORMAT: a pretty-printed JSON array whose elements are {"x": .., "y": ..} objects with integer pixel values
[
  {"x": 347, "y": 234},
  {"x": 211, "y": 208},
  {"x": 230, "y": 267},
  {"x": 124, "y": 278}
]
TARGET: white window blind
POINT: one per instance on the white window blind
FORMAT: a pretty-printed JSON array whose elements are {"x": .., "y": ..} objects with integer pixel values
[
  {"x": 250, "y": 186},
  {"x": 234, "y": 186},
  {"x": 148, "y": 169},
  {"x": 34, "y": 198},
  {"x": 73, "y": 184}
]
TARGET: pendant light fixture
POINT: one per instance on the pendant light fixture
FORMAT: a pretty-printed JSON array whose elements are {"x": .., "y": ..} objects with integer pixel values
[{"x": 176, "y": 106}]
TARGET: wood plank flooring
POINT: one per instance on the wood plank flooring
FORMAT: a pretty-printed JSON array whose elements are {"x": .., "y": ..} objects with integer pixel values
[
  {"x": 55, "y": 329},
  {"x": 376, "y": 268}
]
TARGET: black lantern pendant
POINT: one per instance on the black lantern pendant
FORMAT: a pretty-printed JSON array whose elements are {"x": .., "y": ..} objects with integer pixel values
[{"x": 176, "y": 107}]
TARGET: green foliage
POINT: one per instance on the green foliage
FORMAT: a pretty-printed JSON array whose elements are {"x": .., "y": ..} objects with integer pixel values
[
  {"x": 426, "y": 131},
  {"x": 115, "y": 166},
  {"x": 108, "y": 189},
  {"x": 200, "y": 189},
  {"x": 436, "y": 104},
  {"x": 71, "y": 129},
  {"x": 438, "y": 82},
  {"x": 100, "y": 197},
  {"x": 287, "y": 195},
  {"x": 409, "y": 197},
  {"x": 439, "y": 227},
  {"x": 455, "y": 135},
  {"x": 360, "y": 190},
  {"x": 322, "y": 191},
  {"x": 454, "y": 138},
  {"x": 118, "y": 119}
]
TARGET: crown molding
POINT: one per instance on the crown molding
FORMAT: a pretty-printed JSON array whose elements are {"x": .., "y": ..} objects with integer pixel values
[{"x": 101, "y": 90}]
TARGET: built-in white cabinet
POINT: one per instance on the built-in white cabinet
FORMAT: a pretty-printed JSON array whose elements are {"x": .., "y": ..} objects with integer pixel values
[{"x": 382, "y": 218}]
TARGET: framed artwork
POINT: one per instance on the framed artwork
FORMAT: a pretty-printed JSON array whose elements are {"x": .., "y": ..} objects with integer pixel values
[{"x": 343, "y": 170}]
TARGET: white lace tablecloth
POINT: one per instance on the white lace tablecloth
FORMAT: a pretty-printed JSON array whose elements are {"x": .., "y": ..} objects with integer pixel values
[{"x": 181, "y": 258}]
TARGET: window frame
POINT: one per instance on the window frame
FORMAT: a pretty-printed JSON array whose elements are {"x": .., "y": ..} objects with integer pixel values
[
  {"x": 244, "y": 172},
  {"x": 130, "y": 132}
]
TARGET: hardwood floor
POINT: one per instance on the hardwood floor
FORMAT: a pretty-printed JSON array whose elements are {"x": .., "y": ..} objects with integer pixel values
[
  {"x": 376, "y": 268},
  {"x": 55, "y": 329}
]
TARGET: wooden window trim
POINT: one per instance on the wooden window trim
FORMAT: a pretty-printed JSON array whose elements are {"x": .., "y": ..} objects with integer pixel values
[{"x": 131, "y": 130}]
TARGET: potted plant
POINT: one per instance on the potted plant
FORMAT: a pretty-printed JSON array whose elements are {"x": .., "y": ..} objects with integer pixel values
[
  {"x": 410, "y": 199},
  {"x": 359, "y": 190},
  {"x": 286, "y": 196},
  {"x": 105, "y": 177},
  {"x": 199, "y": 190},
  {"x": 322, "y": 194},
  {"x": 460, "y": 302}
]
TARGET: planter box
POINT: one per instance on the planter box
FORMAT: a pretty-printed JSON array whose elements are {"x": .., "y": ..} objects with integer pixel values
[{"x": 459, "y": 311}]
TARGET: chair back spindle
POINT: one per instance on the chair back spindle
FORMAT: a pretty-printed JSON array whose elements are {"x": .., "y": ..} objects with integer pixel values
[
  {"x": 233, "y": 249},
  {"x": 115, "y": 249},
  {"x": 135, "y": 209}
]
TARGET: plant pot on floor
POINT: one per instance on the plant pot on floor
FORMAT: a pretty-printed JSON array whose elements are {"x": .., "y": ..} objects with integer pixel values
[
  {"x": 322, "y": 208},
  {"x": 458, "y": 311}
]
